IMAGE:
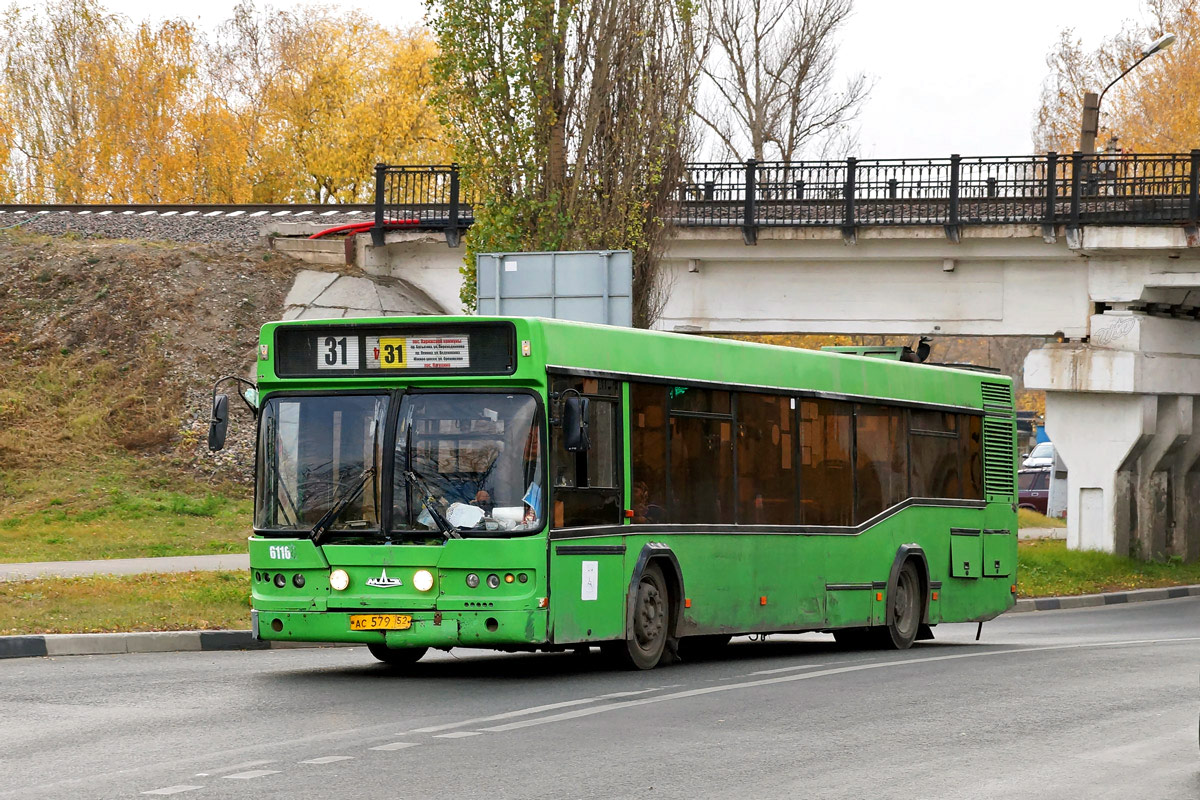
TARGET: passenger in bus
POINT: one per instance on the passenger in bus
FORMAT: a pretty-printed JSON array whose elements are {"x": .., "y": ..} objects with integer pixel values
[
  {"x": 646, "y": 511},
  {"x": 484, "y": 501}
]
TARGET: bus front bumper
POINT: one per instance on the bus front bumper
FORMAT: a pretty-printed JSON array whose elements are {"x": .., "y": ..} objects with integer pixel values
[{"x": 494, "y": 629}]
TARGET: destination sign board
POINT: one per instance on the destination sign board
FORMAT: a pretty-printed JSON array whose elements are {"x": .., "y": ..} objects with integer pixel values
[{"x": 323, "y": 350}]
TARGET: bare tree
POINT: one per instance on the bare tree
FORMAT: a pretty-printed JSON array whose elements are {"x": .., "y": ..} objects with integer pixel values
[{"x": 770, "y": 72}]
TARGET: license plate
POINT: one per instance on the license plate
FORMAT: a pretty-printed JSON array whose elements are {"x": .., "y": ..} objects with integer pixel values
[{"x": 380, "y": 622}]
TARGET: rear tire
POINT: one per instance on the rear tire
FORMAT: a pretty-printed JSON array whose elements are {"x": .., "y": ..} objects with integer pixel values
[
  {"x": 646, "y": 640},
  {"x": 397, "y": 656},
  {"x": 906, "y": 610}
]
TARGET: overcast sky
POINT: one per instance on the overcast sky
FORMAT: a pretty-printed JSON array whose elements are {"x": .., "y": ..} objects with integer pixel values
[{"x": 950, "y": 76}]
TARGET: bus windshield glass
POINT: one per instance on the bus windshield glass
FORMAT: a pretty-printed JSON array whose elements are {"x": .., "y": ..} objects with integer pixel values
[
  {"x": 314, "y": 452},
  {"x": 480, "y": 449}
]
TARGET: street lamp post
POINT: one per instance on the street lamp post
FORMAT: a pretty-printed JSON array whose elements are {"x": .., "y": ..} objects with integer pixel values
[{"x": 1091, "y": 102}]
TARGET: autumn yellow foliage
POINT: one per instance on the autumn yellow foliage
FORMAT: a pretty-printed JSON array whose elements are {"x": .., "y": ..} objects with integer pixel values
[
  {"x": 274, "y": 106},
  {"x": 1153, "y": 109}
]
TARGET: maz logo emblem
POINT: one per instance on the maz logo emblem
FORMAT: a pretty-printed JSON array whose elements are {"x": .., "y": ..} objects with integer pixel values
[{"x": 383, "y": 581}]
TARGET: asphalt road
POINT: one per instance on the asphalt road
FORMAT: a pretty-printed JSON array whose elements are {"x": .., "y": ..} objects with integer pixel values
[{"x": 1091, "y": 703}]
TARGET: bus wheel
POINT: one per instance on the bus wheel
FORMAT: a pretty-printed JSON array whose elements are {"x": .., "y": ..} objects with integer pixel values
[
  {"x": 905, "y": 610},
  {"x": 647, "y": 637},
  {"x": 397, "y": 656},
  {"x": 696, "y": 648}
]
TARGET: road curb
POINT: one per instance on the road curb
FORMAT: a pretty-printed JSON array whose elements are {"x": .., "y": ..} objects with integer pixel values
[
  {"x": 1106, "y": 599},
  {"x": 88, "y": 644},
  {"x": 91, "y": 644}
]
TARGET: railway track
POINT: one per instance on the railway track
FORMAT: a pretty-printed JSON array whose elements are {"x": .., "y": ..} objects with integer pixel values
[{"x": 204, "y": 210}]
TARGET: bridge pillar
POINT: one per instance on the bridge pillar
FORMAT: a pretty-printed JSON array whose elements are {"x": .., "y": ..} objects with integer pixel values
[{"x": 1122, "y": 412}]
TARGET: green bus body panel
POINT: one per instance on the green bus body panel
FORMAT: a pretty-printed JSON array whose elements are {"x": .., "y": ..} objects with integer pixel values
[
  {"x": 966, "y": 554},
  {"x": 734, "y": 581}
]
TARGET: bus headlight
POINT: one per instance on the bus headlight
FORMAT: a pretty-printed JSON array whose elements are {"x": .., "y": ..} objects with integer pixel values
[
  {"x": 339, "y": 580},
  {"x": 422, "y": 580}
]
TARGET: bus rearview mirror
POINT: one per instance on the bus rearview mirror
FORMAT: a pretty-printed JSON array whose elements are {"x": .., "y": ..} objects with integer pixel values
[
  {"x": 574, "y": 424},
  {"x": 218, "y": 423}
]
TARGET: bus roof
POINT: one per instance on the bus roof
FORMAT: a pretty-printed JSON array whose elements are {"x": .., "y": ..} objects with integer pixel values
[{"x": 663, "y": 356}]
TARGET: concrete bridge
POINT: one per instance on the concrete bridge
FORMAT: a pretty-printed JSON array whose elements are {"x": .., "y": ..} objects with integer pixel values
[{"x": 1100, "y": 257}]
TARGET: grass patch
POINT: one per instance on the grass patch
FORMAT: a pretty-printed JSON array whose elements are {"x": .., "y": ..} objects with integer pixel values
[
  {"x": 1046, "y": 568},
  {"x": 107, "y": 603},
  {"x": 119, "y": 507},
  {"x": 1032, "y": 519}
]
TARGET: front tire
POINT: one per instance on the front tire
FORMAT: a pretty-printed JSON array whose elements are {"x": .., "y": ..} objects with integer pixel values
[
  {"x": 397, "y": 656},
  {"x": 646, "y": 640}
]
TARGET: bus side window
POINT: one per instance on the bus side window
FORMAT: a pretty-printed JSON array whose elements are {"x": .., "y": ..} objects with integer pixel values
[
  {"x": 766, "y": 469},
  {"x": 648, "y": 452},
  {"x": 880, "y": 468},
  {"x": 826, "y": 477},
  {"x": 701, "y": 468},
  {"x": 933, "y": 443},
  {"x": 971, "y": 455},
  {"x": 587, "y": 485}
]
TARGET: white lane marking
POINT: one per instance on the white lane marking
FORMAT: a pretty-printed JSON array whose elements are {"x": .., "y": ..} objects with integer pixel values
[
  {"x": 394, "y": 746},
  {"x": 456, "y": 735},
  {"x": 785, "y": 669},
  {"x": 183, "y": 787},
  {"x": 236, "y": 767},
  {"x": 586, "y": 712},
  {"x": 524, "y": 712},
  {"x": 327, "y": 759},
  {"x": 254, "y": 773}
]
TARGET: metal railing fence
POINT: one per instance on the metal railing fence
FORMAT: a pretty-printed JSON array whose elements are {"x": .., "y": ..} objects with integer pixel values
[{"x": 1049, "y": 189}]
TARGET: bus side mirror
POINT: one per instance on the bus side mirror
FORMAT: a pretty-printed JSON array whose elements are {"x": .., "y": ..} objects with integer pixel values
[
  {"x": 574, "y": 424},
  {"x": 218, "y": 423}
]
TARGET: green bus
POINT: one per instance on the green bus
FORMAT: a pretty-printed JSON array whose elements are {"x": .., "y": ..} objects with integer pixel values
[{"x": 535, "y": 484}]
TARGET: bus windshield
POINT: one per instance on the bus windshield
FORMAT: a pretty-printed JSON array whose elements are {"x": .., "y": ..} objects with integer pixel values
[
  {"x": 314, "y": 452},
  {"x": 480, "y": 449}
]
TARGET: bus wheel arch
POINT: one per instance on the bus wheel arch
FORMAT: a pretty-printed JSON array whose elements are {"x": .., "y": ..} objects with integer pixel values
[{"x": 655, "y": 562}]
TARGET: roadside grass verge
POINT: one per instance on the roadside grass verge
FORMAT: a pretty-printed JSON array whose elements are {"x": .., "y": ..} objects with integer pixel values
[
  {"x": 118, "y": 508},
  {"x": 1046, "y": 568},
  {"x": 108, "y": 603},
  {"x": 1032, "y": 519}
]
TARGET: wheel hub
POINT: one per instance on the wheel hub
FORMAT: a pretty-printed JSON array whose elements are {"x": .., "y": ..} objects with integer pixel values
[{"x": 648, "y": 622}]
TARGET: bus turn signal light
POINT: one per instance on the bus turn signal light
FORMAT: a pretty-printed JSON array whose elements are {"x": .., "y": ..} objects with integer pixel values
[
  {"x": 687, "y": 602},
  {"x": 629, "y": 513},
  {"x": 878, "y": 596},
  {"x": 762, "y": 601}
]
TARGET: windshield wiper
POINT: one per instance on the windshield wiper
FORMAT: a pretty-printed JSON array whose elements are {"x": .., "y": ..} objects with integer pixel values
[
  {"x": 448, "y": 530},
  {"x": 339, "y": 505}
]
